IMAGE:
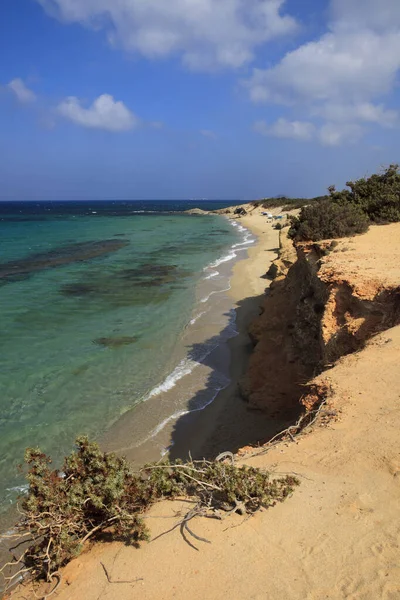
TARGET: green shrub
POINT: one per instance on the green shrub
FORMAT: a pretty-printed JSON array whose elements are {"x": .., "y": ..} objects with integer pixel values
[
  {"x": 325, "y": 220},
  {"x": 286, "y": 202},
  {"x": 378, "y": 196},
  {"x": 97, "y": 492},
  {"x": 345, "y": 213}
]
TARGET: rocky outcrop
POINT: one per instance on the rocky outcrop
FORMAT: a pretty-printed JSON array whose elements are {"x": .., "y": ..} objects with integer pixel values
[
  {"x": 286, "y": 258},
  {"x": 334, "y": 297}
]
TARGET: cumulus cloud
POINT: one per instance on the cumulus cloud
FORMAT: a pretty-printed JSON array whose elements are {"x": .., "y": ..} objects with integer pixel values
[
  {"x": 335, "y": 134},
  {"x": 329, "y": 134},
  {"x": 282, "y": 128},
  {"x": 105, "y": 113},
  {"x": 206, "y": 33},
  {"x": 364, "y": 112},
  {"x": 340, "y": 76},
  {"x": 355, "y": 66},
  {"x": 366, "y": 14},
  {"x": 21, "y": 91}
]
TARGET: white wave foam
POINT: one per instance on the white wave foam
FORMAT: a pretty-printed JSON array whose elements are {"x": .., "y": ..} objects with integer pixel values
[
  {"x": 181, "y": 413},
  {"x": 224, "y": 259},
  {"x": 206, "y": 298},
  {"x": 164, "y": 423},
  {"x": 246, "y": 242},
  {"x": 211, "y": 275},
  {"x": 240, "y": 227},
  {"x": 197, "y": 317},
  {"x": 185, "y": 367}
]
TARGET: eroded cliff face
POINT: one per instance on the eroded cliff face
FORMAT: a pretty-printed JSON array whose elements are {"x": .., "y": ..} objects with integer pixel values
[{"x": 333, "y": 298}]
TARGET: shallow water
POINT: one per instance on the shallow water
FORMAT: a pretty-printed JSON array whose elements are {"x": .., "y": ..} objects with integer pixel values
[{"x": 99, "y": 306}]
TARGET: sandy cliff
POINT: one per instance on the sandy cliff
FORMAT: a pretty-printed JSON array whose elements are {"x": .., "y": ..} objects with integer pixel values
[{"x": 334, "y": 297}]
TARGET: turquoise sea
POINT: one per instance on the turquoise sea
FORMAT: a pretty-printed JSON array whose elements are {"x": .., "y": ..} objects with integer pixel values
[{"x": 95, "y": 299}]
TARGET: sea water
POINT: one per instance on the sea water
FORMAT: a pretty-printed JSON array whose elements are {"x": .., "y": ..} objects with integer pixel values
[{"x": 104, "y": 308}]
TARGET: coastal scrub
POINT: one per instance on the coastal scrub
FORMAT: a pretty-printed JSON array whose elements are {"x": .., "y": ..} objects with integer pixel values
[
  {"x": 375, "y": 199},
  {"x": 96, "y": 493}
]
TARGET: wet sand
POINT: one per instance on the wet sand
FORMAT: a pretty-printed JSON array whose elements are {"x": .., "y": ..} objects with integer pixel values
[
  {"x": 210, "y": 430},
  {"x": 215, "y": 429}
]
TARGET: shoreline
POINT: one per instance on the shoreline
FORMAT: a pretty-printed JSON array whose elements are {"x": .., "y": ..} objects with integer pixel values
[
  {"x": 140, "y": 456},
  {"x": 200, "y": 365},
  {"x": 208, "y": 430},
  {"x": 214, "y": 429}
]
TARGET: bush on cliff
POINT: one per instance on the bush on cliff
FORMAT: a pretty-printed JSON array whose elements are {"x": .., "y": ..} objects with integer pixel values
[
  {"x": 325, "y": 220},
  {"x": 378, "y": 196},
  {"x": 348, "y": 212},
  {"x": 96, "y": 492}
]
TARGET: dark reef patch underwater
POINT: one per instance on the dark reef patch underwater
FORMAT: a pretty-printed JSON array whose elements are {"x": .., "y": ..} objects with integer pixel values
[
  {"x": 59, "y": 256},
  {"x": 95, "y": 300},
  {"x": 116, "y": 342},
  {"x": 127, "y": 286}
]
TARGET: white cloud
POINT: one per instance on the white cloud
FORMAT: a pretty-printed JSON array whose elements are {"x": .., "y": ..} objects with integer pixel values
[
  {"x": 340, "y": 76},
  {"x": 329, "y": 134},
  {"x": 104, "y": 113},
  {"x": 334, "y": 134},
  {"x": 208, "y": 134},
  {"x": 364, "y": 112},
  {"x": 23, "y": 93},
  {"x": 206, "y": 33},
  {"x": 282, "y": 128},
  {"x": 382, "y": 15},
  {"x": 349, "y": 66}
]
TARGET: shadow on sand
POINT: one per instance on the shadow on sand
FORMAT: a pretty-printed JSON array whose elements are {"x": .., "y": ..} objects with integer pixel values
[{"x": 228, "y": 422}]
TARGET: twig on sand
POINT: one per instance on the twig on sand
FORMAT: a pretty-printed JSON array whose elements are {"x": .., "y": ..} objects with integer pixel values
[
  {"x": 297, "y": 429},
  {"x": 109, "y": 579},
  {"x": 55, "y": 588},
  {"x": 247, "y": 517}
]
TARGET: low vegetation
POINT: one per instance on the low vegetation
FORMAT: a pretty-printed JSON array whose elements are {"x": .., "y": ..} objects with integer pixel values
[
  {"x": 285, "y": 202},
  {"x": 325, "y": 220},
  {"x": 378, "y": 196},
  {"x": 351, "y": 211},
  {"x": 96, "y": 494}
]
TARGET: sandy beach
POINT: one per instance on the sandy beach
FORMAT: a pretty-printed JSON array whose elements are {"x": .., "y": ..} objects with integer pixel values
[
  {"x": 208, "y": 431},
  {"x": 214, "y": 429}
]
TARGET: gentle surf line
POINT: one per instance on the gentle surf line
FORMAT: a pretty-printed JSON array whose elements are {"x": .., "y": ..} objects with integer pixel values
[
  {"x": 211, "y": 275},
  {"x": 187, "y": 366},
  {"x": 182, "y": 413}
]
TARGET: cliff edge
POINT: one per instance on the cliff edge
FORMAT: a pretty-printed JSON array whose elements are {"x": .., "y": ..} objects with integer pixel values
[{"x": 327, "y": 300}]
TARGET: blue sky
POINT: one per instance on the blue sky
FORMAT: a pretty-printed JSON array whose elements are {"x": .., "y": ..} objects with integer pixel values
[{"x": 225, "y": 99}]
